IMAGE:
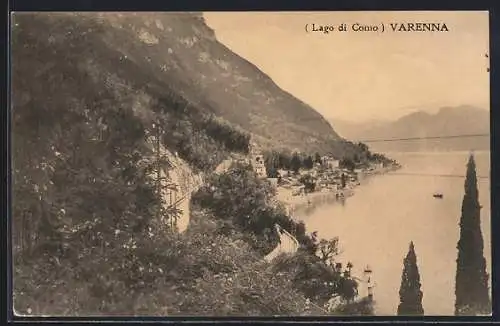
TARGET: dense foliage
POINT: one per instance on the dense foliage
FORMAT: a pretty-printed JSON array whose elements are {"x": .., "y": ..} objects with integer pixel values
[
  {"x": 239, "y": 197},
  {"x": 348, "y": 164},
  {"x": 275, "y": 160},
  {"x": 364, "y": 307},
  {"x": 359, "y": 156},
  {"x": 309, "y": 183},
  {"x": 94, "y": 206},
  {"x": 90, "y": 231},
  {"x": 200, "y": 272},
  {"x": 201, "y": 139},
  {"x": 86, "y": 211},
  {"x": 286, "y": 160},
  {"x": 316, "y": 280},
  {"x": 354, "y": 156},
  {"x": 471, "y": 288},
  {"x": 328, "y": 250},
  {"x": 220, "y": 275}
]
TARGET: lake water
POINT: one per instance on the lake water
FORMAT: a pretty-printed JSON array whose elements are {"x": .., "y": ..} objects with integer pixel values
[{"x": 376, "y": 225}]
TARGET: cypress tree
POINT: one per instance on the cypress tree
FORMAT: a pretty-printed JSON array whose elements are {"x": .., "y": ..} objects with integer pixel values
[
  {"x": 343, "y": 180},
  {"x": 308, "y": 162},
  {"x": 410, "y": 294},
  {"x": 317, "y": 158},
  {"x": 296, "y": 163},
  {"x": 471, "y": 283}
]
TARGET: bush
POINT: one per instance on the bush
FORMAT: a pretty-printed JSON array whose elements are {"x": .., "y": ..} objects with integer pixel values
[
  {"x": 220, "y": 275},
  {"x": 197, "y": 273},
  {"x": 347, "y": 163},
  {"x": 360, "y": 155},
  {"x": 364, "y": 307},
  {"x": 202, "y": 140},
  {"x": 246, "y": 201},
  {"x": 308, "y": 182},
  {"x": 102, "y": 282},
  {"x": 87, "y": 237},
  {"x": 275, "y": 160},
  {"x": 315, "y": 279}
]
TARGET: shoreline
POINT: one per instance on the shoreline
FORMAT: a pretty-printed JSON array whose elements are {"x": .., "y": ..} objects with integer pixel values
[
  {"x": 296, "y": 204},
  {"x": 300, "y": 203}
]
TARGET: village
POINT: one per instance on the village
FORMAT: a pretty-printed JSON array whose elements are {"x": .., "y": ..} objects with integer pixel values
[
  {"x": 326, "y": 180},
  {"x": 326, "y": 177}
]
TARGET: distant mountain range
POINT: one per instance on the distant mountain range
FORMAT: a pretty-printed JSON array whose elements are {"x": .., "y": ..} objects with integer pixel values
[{"x": 448, "y": 121}]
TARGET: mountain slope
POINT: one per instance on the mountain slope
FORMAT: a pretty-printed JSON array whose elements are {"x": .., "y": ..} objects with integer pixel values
[
  {"x": 158, "y": 54},
  {"x": 448, "y": 121},
  {"x": 101, "y": 104},
  {"x": 91, "y": 90}
]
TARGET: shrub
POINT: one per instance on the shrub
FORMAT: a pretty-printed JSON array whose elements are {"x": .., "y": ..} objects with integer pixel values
[
  {"x": 315, "y": 279},
  {"x": 201, "y": 139},
  {"x": 364, "y": 307},
  {"x": 308, "y": 182},
  {"x": 245, "y": 200}
]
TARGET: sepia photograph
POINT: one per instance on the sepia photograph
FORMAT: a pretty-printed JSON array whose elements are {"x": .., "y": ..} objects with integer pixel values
[{"x": 250, "y": 164}]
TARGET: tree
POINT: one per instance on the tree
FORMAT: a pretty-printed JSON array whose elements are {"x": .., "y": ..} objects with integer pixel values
[
  {"x": 348, "y": 287},
  {"x": 272, "y": 172},
  {"x": 271, "y": 161},
  {"x": 410, "y": 294},
  {"x": 239, "y": 197},
  {"x": 312, "y": 246},
  {"x": 308, "y": 182},
  {"x": 284, "y": 161},
  {"x": 347, "y": 163},
  {"x": 296, "y": 163},
  {"x": 363, "y": 147},
  {"x": 328, "y": 249},
  {"x": 316, "y": 280},
  {"x": 471, "y": 287},
  {"x": 363, "y": 307},
  {"x": 308, "y": 162},
  {"x": 343, "y": 180},
  {"x": 317, "y": 158}
]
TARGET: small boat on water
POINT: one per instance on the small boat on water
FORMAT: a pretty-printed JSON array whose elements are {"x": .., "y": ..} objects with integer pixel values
[{"x": 438, "y": 195}]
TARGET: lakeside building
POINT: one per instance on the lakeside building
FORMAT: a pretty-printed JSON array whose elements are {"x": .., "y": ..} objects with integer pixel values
[
  {"x": 259, "y": 166},
  {"x": 330, "y": 162},
  {"x": 257, "y": 161}
]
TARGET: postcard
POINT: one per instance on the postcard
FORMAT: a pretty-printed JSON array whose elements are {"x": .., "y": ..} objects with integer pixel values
[{"x": 250, "y": 163}]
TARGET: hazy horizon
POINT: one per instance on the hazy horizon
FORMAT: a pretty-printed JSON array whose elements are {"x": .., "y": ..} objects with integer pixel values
[
  {"x": 365, "y": 76},
  {"x": 388, "y": 120}
]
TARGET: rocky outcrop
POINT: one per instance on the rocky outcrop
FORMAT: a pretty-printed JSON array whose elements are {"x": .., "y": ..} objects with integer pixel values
[{"x": 184, "y": 180}]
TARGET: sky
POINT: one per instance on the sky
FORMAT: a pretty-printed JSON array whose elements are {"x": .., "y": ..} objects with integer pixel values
[{"x": 359, "y": 76}]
